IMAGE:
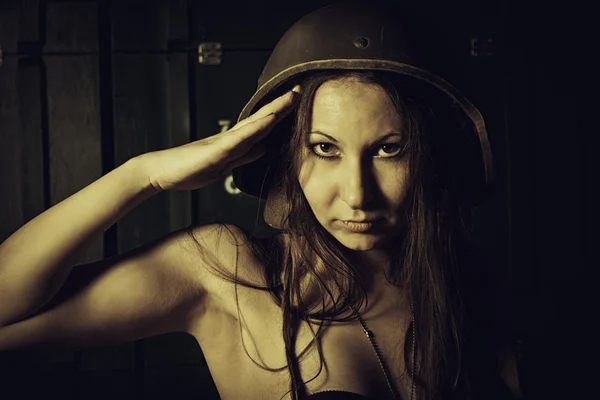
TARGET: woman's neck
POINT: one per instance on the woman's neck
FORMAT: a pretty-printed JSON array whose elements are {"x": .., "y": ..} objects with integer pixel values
[{"x": 371, "y": 267}]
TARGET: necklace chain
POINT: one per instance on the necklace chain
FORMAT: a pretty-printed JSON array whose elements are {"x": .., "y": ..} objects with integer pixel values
[{"x": 371, "y": 338}]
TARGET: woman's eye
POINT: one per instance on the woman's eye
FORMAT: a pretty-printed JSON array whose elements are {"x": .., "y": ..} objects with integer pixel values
[
  {"x": 387, "y": 150},
  {"x": 391, "y": 149},
  {"x": 323, "y": 148}
]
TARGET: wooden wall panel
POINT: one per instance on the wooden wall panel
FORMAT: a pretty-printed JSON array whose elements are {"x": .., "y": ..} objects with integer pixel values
[
  {"x": 74, "y": 132},
  {"x": 11, "y": 177},
  {"x": 74, "y": 142},
  {"x": 222, "y": 91},
  {"x": 11, "y": 199},
  {"x": 178, "y": 133},
  {"x": 9, "y": 25},
  {"x": 32, "y": 150},
  {"x": 20, "y": 124},
  {"x": 71, "y": 27},
  {"x": 29, "y": 21},
  {"x": 141, "y": 25}
]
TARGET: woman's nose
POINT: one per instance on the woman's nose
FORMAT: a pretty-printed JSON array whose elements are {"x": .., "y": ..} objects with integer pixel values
[{"x": 356, "y": 185}]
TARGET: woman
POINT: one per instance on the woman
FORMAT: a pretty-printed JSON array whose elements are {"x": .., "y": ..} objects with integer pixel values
[{"x": 367, "y": 134}]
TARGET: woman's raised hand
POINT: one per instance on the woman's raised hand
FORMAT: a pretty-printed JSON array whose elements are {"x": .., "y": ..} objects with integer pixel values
[{"x": 202, "y": 162}]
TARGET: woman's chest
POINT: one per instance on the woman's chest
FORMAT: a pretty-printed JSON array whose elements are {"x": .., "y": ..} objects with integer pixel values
[{"x": 246, "y": 355}]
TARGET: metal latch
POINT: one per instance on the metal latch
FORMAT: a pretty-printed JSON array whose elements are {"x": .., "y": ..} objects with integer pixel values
[
  {"x": 210, "y": 53},
  {"x": 483, "y": 47}
]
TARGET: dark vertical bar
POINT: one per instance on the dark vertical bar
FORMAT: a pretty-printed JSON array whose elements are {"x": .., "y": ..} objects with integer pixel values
[
  {"x": 72, "y": 92},
  {"x": 106, "y": 109},
  {"x": 179, "y": 202},
  {"x": 192, "y": 57},
  {"x": 44, "y": 105}
]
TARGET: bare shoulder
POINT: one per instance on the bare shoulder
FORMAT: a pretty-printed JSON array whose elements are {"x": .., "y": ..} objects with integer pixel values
[
  {"x": 222, "y": 245},
  {"x": 215, "y": 250}
]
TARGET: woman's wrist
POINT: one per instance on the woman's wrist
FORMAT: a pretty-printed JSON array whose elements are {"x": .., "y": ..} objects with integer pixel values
[{"x": 140, "y": 171}]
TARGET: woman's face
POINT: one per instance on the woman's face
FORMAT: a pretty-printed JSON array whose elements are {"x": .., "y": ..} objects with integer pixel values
[{"x": 364, "y": 175}]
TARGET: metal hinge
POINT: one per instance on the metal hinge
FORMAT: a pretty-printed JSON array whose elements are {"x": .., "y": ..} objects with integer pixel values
[
  {"x": 210, "y": 53},
  {"x": 483, "y": 47}
]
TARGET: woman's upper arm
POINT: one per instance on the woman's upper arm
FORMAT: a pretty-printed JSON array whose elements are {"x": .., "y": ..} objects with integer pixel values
[{"x": 154, "y": 289}]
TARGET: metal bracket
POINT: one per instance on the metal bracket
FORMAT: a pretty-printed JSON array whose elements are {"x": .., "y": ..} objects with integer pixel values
[
  {"x": 483, "y": 47},
  {"x": 210, "y": 53}
]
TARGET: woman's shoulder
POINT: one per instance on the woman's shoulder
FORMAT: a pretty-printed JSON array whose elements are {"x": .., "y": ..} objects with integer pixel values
[{"x": 231, "y": 249}]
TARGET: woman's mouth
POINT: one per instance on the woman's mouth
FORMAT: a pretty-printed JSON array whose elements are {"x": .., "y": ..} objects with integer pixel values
[{"x": 360, "y": 227}]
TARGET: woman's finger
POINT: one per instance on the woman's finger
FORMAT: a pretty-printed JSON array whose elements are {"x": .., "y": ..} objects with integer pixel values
[
  {"x": 249, "y": 134},
  {"x": 283, "y": 104},
  {"x": 257, "y": 152}
]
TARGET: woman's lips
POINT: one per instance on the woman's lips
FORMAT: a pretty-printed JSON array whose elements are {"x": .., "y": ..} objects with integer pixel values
[{"x": 360, "y": 226}]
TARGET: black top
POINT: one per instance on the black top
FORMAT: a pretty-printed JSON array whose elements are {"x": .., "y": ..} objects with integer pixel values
[
  {"x": 337, "y": 395},
  {"x": 500, "y": 391}
]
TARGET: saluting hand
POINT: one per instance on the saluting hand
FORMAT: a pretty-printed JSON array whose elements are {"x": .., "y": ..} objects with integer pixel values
[{"x": 200, "y": 163}]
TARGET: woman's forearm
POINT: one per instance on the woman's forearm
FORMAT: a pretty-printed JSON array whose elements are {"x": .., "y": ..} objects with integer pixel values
[{"x": 36, "y": 260}]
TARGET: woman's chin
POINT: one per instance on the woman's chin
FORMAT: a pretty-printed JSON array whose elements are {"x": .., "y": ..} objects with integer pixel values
[{"x": 359, "y": 241}]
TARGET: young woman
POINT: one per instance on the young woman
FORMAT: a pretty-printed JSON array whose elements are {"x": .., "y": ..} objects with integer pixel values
[{"x": 371, "y": 289}]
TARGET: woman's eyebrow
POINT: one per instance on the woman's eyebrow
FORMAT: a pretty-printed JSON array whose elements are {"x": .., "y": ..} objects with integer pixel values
[{"x": 381, "y": 139}]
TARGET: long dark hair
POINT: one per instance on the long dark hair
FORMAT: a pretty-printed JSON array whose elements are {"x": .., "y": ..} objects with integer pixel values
[{"x": 447, "y": 279}]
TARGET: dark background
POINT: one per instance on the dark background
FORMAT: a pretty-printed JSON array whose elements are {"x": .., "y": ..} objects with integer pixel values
[{"x": 86, "y": 85}]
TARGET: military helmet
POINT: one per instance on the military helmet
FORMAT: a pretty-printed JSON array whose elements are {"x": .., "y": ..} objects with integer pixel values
[{"x": 354, "y": 35}]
